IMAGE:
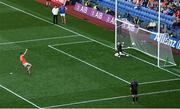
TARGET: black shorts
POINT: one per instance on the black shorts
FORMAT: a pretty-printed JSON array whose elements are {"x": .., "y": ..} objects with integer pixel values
[{"x": 134, "y": 92}]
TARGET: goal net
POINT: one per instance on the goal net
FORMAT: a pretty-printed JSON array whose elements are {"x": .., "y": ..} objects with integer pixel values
[{"x": 143, "y": 44}]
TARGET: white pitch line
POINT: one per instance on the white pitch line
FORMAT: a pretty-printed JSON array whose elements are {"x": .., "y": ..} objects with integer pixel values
[
  {"x": 113, "y": 98},
  {"x": 35, "y": 40},
  {"x": 143, "y": 83},
  {"x": 75, "y": 33},
  {"x": 85, "y": 37},
  {"x": 160, "y": 81},
  {"x": 88, "y": 64},
  {"x": 53, "y": 24},
  {"x": 70, "y": 43},
  {"x": 20, "y": 97},
  {"x": 155, "y": 66},
  {"x": 152, "y": 64}
]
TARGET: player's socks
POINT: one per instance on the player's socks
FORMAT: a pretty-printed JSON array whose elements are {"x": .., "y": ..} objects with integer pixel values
[
  {"x": 29, "y": 68},
  {"x": 137, "y": 99},
  {"x": 29, "y": 72},
  {"x": 134, "y": 99}
]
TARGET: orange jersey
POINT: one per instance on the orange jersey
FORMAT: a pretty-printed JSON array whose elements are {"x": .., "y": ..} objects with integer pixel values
[{"x": 22, "y": 59}]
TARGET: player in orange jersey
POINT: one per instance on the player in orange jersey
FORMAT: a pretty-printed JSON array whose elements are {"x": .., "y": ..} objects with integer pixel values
[{"x": 27, "y": 65}]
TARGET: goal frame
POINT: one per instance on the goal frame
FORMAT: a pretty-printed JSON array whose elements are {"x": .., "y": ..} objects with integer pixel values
[{"x": 158, "y": 35}]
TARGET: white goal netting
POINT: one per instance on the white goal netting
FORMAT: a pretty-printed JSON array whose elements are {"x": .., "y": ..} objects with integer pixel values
[{"x": 137, "y": 39}]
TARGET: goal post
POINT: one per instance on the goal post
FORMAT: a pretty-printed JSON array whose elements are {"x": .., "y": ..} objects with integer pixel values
[
  {"x": 137, "y": 39},
  {"x": 144, "y": 41}
]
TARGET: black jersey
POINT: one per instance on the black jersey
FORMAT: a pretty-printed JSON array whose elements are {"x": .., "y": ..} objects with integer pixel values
[
  {"x": 134, "y": 87},
  {"x": 119, "y": 48}
]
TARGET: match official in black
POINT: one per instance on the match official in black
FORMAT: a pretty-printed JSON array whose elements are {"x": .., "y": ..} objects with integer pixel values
[
  {"x": 134, "y": 90},
  {"x": 55, "y": 11}
]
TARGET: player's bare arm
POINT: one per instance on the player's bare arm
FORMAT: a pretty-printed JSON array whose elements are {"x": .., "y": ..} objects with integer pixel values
[{"x": 25, "y": 51}]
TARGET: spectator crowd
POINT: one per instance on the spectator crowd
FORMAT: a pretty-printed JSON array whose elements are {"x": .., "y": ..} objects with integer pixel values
[{"x": 169, "y": 7}]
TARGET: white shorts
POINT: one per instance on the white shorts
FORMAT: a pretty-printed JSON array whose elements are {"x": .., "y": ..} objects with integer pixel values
[
  {"x": 26, "y": 64},
  {"x": 63, "y": 14}
]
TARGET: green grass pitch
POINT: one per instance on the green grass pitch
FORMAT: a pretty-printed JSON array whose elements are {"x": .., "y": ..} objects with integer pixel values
[{"x": 73, "y": 65}]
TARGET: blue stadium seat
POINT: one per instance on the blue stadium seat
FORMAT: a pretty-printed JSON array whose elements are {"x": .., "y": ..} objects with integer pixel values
[{"x": 143, "y": 13}]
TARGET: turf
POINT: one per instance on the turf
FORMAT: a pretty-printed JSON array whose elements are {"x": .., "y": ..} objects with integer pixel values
[{"x": 72, "y": 72}]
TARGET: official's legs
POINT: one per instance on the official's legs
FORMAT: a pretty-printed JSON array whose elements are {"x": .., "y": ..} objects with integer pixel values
[
  {"x": 54, "y": 19},
  {"x": 134, "y": 96}
]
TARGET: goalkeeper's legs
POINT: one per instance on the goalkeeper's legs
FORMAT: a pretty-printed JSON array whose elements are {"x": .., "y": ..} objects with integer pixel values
[
  {"x": 121, "y": 54},
  {"x": 117, "y": 54}
]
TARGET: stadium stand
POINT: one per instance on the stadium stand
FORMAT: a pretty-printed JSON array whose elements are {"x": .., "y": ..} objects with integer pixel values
[
  {"x": 146, "y": 14},
  {"x": 143, "y": 12}
]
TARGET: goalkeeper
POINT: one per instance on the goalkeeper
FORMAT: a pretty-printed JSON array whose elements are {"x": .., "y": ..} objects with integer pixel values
[{"x": 119, "y": 51}]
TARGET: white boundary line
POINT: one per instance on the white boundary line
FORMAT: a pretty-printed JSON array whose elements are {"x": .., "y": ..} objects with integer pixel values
[
  {"x": 155, "y": 66},
  {"x": 35, "y": 40},
  {"x": 83, "y": 36},
  {"x": 151, "y": 55},
  {"x": 70, "y": 43},
  {"x": 20, "y": 97},
  {"x": 53, "y": 24},
  {"x": 160, "y": 81},
  {"x": 80, "y": 35},
  {"x": 152, "y": 64},
  {"x": 106, "y": 72},
  {"x": 143, "y": 83},
  {"x": 113, "y": 98}
]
